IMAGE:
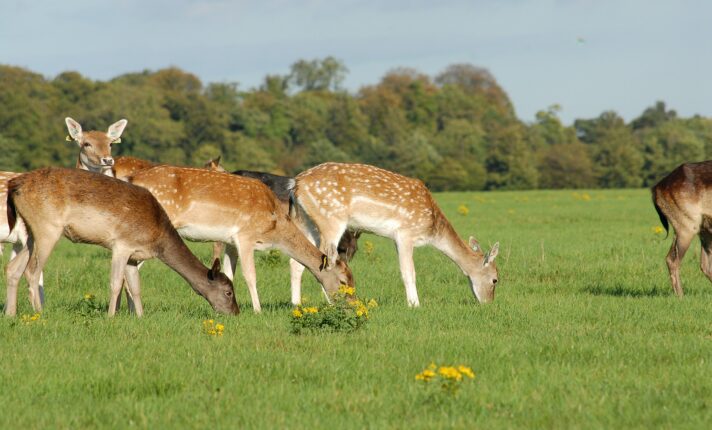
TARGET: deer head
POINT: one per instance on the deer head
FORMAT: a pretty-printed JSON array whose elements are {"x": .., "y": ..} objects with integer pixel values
[
  {"x": 95, "y": 146},
  {"x": 220, "y": 295},
  {"x": 483, "y": 275}
]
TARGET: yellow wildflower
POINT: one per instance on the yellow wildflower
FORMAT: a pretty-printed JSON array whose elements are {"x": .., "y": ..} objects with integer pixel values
[
  {"x": 297, "y": 313},
  {"x": 368, "y": 247},
  {"x": 658, "y": 230},
  {"x": 88, "y": 296},
  {"x": 449, "y": 372},
  {"x": 349, "y": 291},
  {"x": 426, "y": 375},
  {"x": 310, "y": 310},
  {"x": 466, "y": 371},
  {"x": 463, "y": 210},
  {"x": 372, "y": 303}
]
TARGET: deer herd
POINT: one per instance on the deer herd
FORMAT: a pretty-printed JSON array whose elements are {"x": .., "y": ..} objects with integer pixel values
[{"x": 141, "y": 210}]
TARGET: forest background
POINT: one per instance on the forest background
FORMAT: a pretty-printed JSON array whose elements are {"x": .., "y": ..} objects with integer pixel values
[{"x": 457, "y": 130}]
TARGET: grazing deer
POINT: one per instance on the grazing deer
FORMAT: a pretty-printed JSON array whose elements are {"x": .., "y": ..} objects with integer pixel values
[
  {"x": 89, "y": 208},
  {"x": 95, "y": 151},
  {"x": 335, "y": 196},
  {"x": 282, "y": 187},
  {"x": 215, "y": 207},
  {"x": 683, "y": 199}
]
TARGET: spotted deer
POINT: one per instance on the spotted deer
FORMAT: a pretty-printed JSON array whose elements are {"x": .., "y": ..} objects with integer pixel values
[
  {"x": 97, "y": 209},
  {"x": 332, "y": 197},
  {"x": 683, "y": 199},
  {"x": 210, "y": 206},
  {"x": 282, "y": 187}
]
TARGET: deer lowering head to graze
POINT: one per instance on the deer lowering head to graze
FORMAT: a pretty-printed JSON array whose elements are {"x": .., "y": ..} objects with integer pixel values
[
  {"x": 97, "y": 209},
  {"x": 336, "y": 196},
  {"x": 216, "y": 207},
  {"x": 683, "y": 199}
]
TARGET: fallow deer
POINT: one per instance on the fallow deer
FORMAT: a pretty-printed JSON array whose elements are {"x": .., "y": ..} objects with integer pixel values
[
  {"x": 95, "y": 151},
  {"x": 683, "y": 199},
  {"x": 89, "y": 208},
  {"x": 282, "y": 187},
  {"x": 216, "y": 207},
  {"x": 336, "y": 196}
]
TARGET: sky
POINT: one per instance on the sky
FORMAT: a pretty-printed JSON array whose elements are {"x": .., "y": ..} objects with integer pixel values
[{"x": 586, "y": 56}]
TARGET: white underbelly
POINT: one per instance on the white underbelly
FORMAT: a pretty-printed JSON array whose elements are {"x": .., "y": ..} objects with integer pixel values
[
  {"x": 375, "y": 225},
  {"x": 207, "y": 233}
]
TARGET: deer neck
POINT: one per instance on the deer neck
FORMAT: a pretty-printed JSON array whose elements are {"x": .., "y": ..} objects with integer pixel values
[
  {"x": 176, "y": 255},
  {"x": 84, "y": 164},
  {"x": 449, "y": 243}
]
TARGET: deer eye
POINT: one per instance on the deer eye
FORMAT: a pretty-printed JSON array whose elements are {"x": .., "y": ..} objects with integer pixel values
[
  {"x": 494, "y": 281},
  {"x": 228, "y": 293},
  {"x": 86, "y": 144}
]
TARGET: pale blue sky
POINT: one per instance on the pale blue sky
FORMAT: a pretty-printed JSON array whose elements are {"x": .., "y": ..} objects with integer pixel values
[{"x": 634, "y": 52}]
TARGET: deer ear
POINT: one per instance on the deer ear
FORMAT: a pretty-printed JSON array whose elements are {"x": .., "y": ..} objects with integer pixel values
[
  {"x": 474, "y": 244},
  {"x": 217, "y": 160},
  {"x": 75, "y": 130},
  {"x": 116, "y": 129},
  {"x": 492, "y": 254},
  {"x": 213, "y": 273}
]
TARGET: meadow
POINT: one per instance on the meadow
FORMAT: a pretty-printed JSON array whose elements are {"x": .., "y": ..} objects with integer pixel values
[{"x": 584, "y": 333}]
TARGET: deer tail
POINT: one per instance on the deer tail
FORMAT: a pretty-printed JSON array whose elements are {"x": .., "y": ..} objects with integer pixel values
[
  {"x": 661, "y": 215},
  {"x": 10, "y": 204}
]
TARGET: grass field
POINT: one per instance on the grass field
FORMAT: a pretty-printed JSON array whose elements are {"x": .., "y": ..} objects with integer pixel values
[{"x": 584, "y": 333}]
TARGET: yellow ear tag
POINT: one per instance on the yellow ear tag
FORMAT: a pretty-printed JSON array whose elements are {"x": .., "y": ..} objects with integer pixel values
[
  {"x": 323, "y": 262},
  {"x": 69, "y": 138}
]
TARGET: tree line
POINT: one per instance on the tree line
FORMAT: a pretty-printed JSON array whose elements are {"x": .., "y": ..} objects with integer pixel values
[{"x": 455, "y": 131}]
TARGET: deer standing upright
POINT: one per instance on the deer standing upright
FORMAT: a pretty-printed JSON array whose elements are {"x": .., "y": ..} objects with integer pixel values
[
  {"x": 683, "y": 199},
  {"x": 96, "y": 209},
  {"x": 216, "y": 207},
  {"x": 335, "y": 196}
]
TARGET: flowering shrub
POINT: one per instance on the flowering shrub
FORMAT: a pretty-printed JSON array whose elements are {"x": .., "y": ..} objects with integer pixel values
[
  {"x": 345, "y": 313},
  {"x": 448, "y": 378},
  {"x": 213, "y": 329},
  {"x": 88, "y": 306}
]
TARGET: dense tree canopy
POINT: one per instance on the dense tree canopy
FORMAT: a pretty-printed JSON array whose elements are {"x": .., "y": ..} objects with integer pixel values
[{"x": 456, "y": 131}]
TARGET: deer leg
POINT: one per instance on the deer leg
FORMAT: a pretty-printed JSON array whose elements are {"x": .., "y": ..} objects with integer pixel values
[
  {"x": 16, "y": 248},
  {"x": 247, "y": 264},
  {"x": 679, "y": 247},
  {"x": 133, "y": 287},
  {"x": 296, "y": 270},
  {"x": 229, "y": 261},
  {"x": 40, "y": 246},
  {"x": 330, "y": 235},
  {"x": 218, "y": 248},
  {"x": 405, "y": 258},
  {"x": 13, "y": 272},
  {"x": 119, "y": 261}
]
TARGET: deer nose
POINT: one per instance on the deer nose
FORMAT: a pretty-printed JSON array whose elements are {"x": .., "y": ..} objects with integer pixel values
[{"x": 107, "y": 161}]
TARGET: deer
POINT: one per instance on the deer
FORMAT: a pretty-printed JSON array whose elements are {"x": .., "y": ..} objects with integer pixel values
[
  {"x": 282, "y": 187},
  {"x": 95, "y": 151},
  {"x": 210, "y": 206},
  {"x": 88, "y": 208},
  {"x": 331, "y": 197},
  {"x": 94, "y": 155},
  {"x": 683, "y": 199}
]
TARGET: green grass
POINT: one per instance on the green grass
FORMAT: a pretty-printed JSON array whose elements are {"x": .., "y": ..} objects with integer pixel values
[{"x": 584, "y": 333}]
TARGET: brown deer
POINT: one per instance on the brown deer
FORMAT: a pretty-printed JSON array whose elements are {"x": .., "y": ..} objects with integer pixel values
[
  {"x": 282, "y": 187},
  {"x": 95, "y": 151},
  {"x": 683, "y": 199},
  {"x": 336, "y": 196},
  {"x": 89, "y": 208},
  {"x": 216, "y": 207}
]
